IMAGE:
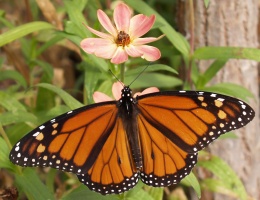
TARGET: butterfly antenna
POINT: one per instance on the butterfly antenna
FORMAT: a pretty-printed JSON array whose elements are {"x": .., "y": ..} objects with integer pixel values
[
  {"x": 116, "y": 77},
  {"x": 140, "y": 74}
]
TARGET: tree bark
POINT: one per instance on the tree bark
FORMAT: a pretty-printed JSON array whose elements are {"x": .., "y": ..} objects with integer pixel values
[{"x": 232, "y": 23}]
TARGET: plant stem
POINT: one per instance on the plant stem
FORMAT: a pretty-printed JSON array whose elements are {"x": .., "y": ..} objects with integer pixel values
[
  {"x": 122, "y": 72},
  {"x": 2, "y": 132}
]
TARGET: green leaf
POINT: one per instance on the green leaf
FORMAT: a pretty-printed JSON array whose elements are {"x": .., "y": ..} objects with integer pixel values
[
  {"x": 48, "y": 44},
  {"x": 17, "y": 131},
  {"x": 82, "y": 192},
  {"x": 70, "y": 101},
  {"x": 228, "y": 135},
  {"x": 231, "y": 89},
  {"x": 11, "y": 74},
  {"x": 81, "y": 4},
  {"x": 218, "y": 186},
  {"x": 5, "y": 22},
  {"x": 192, "y": 181},
  {"x": 10, "y": 103},
  {"x": 106, "y": 87},
  {"x": 8, "y": 118},
  {"x": 45, "y": 98},
  {"x": 138, "y": 193},
  {"x": 20, "y": 31},
  {"x": 155, "y": 192},
  {"x": 57, "y": 110},
  {"x": 50, "y": 179},
  {"x": 210, "y": 73},
  {"x": 150, "y": 68},
  {"x": 153, "y": 79},
  {"x": 226, "y": 177},
  {"x": 77, "y": 18},
  {"x": 225, "y": 53},
  {"x": 4, "y": 155},
  {"x": 47, "y": 68},
  {"x": 90, "y": 83},
  {"x": 30, "y": 183},
  {"x": 206, "y": 2},
  {"x": 174, "y": 37}
]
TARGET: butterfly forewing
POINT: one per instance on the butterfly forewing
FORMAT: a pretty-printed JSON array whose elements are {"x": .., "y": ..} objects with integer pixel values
[{"x": 68, "y": 141}]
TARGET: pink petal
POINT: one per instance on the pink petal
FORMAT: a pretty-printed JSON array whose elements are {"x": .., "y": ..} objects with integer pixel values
[
  {"x": 141, "y": 41},
  {"x": 120, "y": 56},
  {"x": 149, "y": 53},
  {"x": 150, "y": 90},
  {"x": 116, "y": 90},
  {"x": 100, "y": 47},
  {"x": 147, "y": 91},
  {"x": 101, "y": 97},
  {"x": 122, "y": 16},
  {"x": 106, "y": 22},
  {"x": 140, "y": 24},
  {"x": 100, "y": 34},
  {"x": 132, "y": 51}
]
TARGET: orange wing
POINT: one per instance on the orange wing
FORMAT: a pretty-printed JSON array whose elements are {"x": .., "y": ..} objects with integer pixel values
[
  {"x": 113, "y": 171},
  {"x": 89, "y": 142},
  {"x": 174, "y": 126}
]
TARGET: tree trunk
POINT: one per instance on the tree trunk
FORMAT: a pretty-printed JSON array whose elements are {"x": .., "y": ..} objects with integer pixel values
[{"x": 232, "y": 23}]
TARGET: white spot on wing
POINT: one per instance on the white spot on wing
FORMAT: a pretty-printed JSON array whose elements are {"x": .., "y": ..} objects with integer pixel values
[
  {"x": 36, "y": 134},
  {"x": 220, "y": 99}
]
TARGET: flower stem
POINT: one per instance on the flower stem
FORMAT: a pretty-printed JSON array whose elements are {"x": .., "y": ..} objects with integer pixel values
[
  {"x": 3, "y": 134},
  {"x": 122, "y": 72}
]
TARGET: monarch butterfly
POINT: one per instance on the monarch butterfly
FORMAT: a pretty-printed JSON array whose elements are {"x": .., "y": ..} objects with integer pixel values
[{"x": 154, "y": 137}]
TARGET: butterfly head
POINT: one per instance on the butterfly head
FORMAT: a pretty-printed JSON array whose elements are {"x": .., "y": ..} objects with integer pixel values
[
  {"x": 126, "y": 95},
  {"x": 126, "y": 100}
]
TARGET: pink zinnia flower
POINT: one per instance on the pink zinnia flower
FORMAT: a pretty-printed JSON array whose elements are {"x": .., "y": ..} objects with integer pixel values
[
  {"x": 116, "y": 90},
  {"x": 123, "y": 38}
]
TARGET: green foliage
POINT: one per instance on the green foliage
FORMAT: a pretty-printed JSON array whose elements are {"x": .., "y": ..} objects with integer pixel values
[
  {"x": 30, "y": 98},
  {"x": 227, "y": 181},
  {"x": 206, "y": 2},
  {"x": 192, "y": 181},
  {"x": 225, "y": 53},
  {"x": 31, "y": 185},
  {"x": 23, "y": 30}
]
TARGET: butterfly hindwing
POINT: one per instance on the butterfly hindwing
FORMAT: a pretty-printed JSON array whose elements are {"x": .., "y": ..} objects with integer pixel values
[
  {"x": 164, "y": 163},
  {"x": 112, "y": 171}
]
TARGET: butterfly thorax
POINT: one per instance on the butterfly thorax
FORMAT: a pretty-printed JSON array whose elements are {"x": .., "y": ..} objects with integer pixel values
[{"x": 128, "y": 112}]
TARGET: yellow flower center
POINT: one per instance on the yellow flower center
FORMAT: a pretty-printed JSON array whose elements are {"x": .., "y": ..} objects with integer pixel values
[{"x": 123, "y": 39}]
